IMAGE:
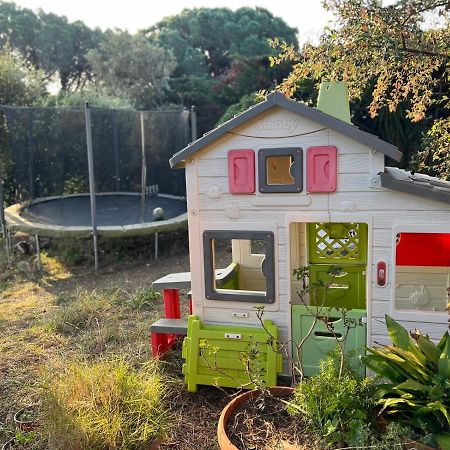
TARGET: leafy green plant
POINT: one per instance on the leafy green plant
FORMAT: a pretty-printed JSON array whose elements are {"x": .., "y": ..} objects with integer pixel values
[
  {"x": 144, "y": 298},
  {"x": 105, "y": 406},
  {"x": 79, "y": 314},
  {"x": 418, "y": 371},
  {"x": 336, "y": 407}
]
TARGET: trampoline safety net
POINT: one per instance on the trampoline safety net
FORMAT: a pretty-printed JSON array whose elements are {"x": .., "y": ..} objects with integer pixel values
[{"x": 44, "y": 151}]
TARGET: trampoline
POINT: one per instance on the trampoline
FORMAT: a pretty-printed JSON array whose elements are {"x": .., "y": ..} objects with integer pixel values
[
  {"x": 118, "y": 158},
  {"x": 118, "y": 214}
]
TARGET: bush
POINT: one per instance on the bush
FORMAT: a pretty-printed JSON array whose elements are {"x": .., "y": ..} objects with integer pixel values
[
  {"x": 418, "y": 375},
  {"x": 336, "y": 408},
  {"x": 105, "y": 406}
]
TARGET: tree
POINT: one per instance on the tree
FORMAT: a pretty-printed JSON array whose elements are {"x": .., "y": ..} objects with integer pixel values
[
  {"x": 50, "y": 43},
  {"x": 398, "y": 51},
  {"x": 221, "y": 55},
  {"x": 19, "y": 84},
  {"x": 130, "y": 67}
]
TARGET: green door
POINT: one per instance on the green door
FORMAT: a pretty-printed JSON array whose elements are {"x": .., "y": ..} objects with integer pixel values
[
  {"x": 345, "y": 290},
  {"x": 342, "y": 245},
  {"x": 321, "y": 341}
]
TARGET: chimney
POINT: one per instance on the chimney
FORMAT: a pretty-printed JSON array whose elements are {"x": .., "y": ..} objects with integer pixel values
[{"x": 333, "y": 100}]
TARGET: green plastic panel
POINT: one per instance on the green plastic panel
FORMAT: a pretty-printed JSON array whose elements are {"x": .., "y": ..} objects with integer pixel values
[
  {"x": 333, "y": 100},
  {"x": 321, "y": 341},
  {"x": 346, "y": 290},
  {"x": 223, "y": 366},
  {"x": 337, "y": 243}
]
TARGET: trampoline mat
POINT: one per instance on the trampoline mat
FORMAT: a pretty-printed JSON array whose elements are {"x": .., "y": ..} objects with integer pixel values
[{"x": 112, "y": 210}]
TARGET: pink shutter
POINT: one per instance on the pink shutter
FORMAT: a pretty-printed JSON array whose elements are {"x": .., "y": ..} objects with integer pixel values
[
  {"x": 322, "y": 169},
  {"x": 241, "y": 171}
]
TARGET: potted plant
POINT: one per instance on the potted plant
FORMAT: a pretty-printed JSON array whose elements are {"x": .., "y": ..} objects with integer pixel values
[
  {"x": 341, "y": 408},
  {"x": 337, "y": 368}
]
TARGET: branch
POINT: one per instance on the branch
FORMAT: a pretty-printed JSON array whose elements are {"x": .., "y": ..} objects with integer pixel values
[
  {"x": 422, "y": 10},
  {"x": 416, "y": 51}
]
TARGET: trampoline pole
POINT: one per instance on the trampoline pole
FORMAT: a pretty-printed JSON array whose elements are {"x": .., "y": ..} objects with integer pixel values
[
  {"x": 38, "y": 253},
  {"x": 193, "y": 123},
  {"x": 143, "y": 168},
  {"x": 90, "y": 158},
  {"x": 3, "y": 228},
  {"x": 2, "y": 210},
  {"x": 156, "y": 244}
]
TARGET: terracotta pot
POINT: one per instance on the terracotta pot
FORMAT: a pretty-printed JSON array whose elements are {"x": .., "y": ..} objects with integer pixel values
[
  {"x": 25, "y": 425},
  {"x": 230, "y": 408}
]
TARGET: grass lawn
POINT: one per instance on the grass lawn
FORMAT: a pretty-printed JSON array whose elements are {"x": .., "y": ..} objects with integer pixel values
[{"x": 69, "y": 314}]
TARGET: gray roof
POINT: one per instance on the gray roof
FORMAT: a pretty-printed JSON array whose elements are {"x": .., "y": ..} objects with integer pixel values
[
  {"x": 278, "y": 99},
  {"x": 417, "y": 184}
]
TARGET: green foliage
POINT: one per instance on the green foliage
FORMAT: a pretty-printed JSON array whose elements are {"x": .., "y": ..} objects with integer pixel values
[
  {"x": 221, "y": 55},
  {"x": 95, "y": 96},
  {"x": 216, "y": 36},
  {"x": 418, "y": 371},
  {"x": 19, "y": 85},
  {"x": 141, "y": 299},
  {"x": 144, "y": 298},
  {"x": 75, "y": 185},
  {"x": 131, "y": 67},
  {"x": 400, "y": 51},
  {"x": 336, "y": 408},
  {"x": 104, "y": 406},
  {"x": 244, "y": 103},
  {"x": 50, "y": 43},
  {"x": 435, "y": 157}
]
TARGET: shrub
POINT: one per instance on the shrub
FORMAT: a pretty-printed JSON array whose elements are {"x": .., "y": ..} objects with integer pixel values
[
  {"x": 105, "y": 406},
  {"x": 138, "y": 299},
  {"x": 336, "y": 408},
  {"x": 144, "y": 298},
  {"x": 418, "y": 371}
]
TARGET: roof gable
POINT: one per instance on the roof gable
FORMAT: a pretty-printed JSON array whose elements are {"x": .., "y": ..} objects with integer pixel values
[{"x": 278, "y": 99}]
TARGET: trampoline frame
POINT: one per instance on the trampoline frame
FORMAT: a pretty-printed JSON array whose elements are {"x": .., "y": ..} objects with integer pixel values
[{"x": 16, "y": 222}]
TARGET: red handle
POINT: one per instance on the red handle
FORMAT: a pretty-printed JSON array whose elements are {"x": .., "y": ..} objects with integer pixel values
[{"x": 381, "y": 274}]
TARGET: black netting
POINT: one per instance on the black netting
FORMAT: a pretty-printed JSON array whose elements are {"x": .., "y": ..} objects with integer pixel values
[{"x": 47, "y": 156}]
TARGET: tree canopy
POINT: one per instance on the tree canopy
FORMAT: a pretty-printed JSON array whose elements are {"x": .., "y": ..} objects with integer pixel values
[
  {"x": 399, "y": 52},
  {"x": 131, "y": 67},
  {"x": 50, "y": 43},
  {"x": 221, "y": 55},
  {"x": 18, "y": 84}
]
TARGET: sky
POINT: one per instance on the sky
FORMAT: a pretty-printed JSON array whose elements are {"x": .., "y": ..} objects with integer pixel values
[{"x": 307, "y": 16}]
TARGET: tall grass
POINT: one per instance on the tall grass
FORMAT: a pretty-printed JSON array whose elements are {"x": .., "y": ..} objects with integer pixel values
[
  {"x": 105, "y": 406},
  {"x": 77, "y": 313}
]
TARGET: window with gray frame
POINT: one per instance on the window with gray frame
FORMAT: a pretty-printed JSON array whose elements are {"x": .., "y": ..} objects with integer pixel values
[
  {"x": 233, "y": 271},
  {"x": 280, "y": 169}
]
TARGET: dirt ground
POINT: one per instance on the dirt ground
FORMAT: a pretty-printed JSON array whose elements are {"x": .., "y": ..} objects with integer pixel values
[{"x": 30, "y": 346}]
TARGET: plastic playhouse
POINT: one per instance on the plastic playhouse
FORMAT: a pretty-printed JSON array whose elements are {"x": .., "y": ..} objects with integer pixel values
[{"x": 284, "y": 185}]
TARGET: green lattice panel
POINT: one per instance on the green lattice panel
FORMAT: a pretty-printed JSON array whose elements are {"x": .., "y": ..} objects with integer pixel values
[{"x": 337, "y": 243}]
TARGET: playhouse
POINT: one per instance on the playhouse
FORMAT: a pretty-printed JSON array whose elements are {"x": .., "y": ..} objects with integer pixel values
[{"x": 285, "y": 185}]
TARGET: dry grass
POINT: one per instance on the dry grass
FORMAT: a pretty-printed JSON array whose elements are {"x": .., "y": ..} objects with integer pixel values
[
  {"x": 107, "y": 405},
  {"x": 70, "y": 314}
]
